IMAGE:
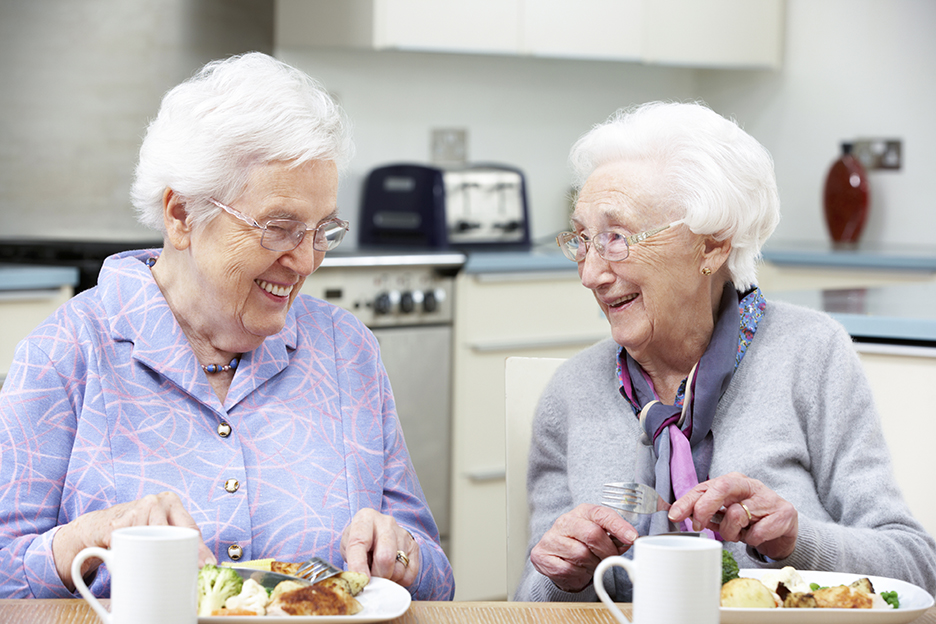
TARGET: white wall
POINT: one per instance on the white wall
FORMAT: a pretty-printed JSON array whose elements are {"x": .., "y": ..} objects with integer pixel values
[
  {"x": 80, "y": 79},
  {"x": 520, "y": 111},
  {"x": 852, "y": 68},
  {"x": 78, "y": 82}
]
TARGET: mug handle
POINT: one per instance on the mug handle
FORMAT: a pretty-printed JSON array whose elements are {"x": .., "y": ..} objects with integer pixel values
[
  {"x": 88, "y": 553},
  {"x": 606, "y": 563}
]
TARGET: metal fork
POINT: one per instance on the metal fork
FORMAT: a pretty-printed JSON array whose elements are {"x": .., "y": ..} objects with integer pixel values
[
  {"x": 317, "y": 569},
  {"x": 638, "y": 498},
  {"x": 633, "y": 497}
]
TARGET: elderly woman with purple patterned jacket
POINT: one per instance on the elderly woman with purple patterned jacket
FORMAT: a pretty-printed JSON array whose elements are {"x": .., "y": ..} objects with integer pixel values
[{"x": 194, "y": 386}]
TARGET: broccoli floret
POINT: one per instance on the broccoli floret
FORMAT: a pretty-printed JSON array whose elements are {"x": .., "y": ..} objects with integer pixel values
[
  {"x": 729, "y": 567},
  {"x": 215, "y": 585}
]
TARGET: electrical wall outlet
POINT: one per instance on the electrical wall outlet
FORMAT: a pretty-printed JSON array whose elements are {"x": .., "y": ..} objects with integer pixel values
[
  {"x": 450, "y": 146},
  {"x": 878, "y": 153}
]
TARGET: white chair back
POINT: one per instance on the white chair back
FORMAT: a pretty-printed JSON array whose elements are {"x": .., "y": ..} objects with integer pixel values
[{"x": 525, "y": 379}]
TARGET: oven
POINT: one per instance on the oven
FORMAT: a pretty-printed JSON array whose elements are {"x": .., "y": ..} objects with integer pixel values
[{"x": 407, "y": 301}]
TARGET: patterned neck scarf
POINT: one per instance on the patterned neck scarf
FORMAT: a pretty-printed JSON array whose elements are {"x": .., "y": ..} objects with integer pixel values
[{"x": 675, "y": 448}]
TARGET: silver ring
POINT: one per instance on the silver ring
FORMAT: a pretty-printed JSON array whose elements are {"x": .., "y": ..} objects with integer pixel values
[
  {"x": 402, "y": 558},
  {"x": 750, "y": 518}
]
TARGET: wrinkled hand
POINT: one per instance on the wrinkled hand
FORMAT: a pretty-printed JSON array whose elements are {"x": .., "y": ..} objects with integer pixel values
[
  {"x": 771, "y": 528},
  {"x": 370, "y": 543},
  {"x": 94, "y": 529},
  {"x": 570, "y": 551}
]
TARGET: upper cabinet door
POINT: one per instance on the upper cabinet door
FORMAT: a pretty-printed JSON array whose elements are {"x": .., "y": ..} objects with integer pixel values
[
  {"x": 591, "y": 29},
  {"x": 692, "y": 33},
  {"x": 484, "y": 26},
  {"x": 714, "y": 33}
]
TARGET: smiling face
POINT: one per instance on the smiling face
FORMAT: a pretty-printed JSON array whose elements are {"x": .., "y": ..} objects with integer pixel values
[
  {"x": 233, "y": 293},
  {"x": 657, "y": 300}
]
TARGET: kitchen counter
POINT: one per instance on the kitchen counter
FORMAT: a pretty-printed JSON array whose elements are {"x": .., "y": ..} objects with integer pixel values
[
  {"x": 394, "y": 257},
  {"x": 899, "y": 314},
  {"x": 536, "y": 260},
  {"x": 19, "y": 277},
  {"x": 861, "y": 256}
]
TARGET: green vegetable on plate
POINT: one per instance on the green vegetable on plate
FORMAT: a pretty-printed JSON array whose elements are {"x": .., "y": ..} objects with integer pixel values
[
  {"x": 215, "y": 585},
  {"x": 729, "y": 567}
]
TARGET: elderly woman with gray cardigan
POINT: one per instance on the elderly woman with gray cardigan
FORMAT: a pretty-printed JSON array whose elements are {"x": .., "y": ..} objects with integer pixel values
[{"x": 752, "y": 418}]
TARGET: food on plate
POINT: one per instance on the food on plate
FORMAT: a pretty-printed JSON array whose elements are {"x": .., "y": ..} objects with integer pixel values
[
  {"x": 355, "y": 580},
  {"x": 252, "y": 598},
  {"x": 320, "y": 599},
  {"x": 788, "y": 589},
  {"x": 729, "y": 567},
  {"x": 747, "y": 593},
  {"x": 333, "y": 596},
  {"x": 215, "y": 585},
  {"x": 843, "y": 597}
]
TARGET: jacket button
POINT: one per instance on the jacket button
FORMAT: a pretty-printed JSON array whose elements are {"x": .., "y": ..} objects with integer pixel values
[
  {"x": 224, "y": 429},
  {"x": 231, "y": 485},
  {"x": 235, "y": 552}
]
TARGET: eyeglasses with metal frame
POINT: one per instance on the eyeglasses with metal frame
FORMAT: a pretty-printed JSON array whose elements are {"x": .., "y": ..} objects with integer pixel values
[
  {"x": 610, "y": 245},
  {"x": 287, "y": 234}
]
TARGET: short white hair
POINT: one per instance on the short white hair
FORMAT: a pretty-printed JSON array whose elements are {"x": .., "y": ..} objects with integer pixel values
[
  {"x": 231, "y": 116},
  {"x": 716, "y": 177}
]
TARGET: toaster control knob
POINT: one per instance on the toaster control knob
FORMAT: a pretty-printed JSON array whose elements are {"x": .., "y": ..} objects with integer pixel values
[
  {"x": 382, "y": 304},
  {"x": 406, "y": 302}
]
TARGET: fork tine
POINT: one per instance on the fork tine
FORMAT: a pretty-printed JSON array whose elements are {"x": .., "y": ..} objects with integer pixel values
[
  {"x": 619, "y": 506},
  {"x": 317, "y": 569}
]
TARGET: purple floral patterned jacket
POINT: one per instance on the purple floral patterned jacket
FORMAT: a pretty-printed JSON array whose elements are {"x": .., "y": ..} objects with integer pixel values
[{"x": 105, "y": 403}]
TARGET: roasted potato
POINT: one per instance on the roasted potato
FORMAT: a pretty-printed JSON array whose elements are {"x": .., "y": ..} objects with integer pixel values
[
  {"x": 799, "y": 600},
  {"x": 747, "y": 593}
]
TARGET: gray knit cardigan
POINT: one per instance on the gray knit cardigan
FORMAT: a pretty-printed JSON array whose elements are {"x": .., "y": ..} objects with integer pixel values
[{"x": 798, "y": 416}]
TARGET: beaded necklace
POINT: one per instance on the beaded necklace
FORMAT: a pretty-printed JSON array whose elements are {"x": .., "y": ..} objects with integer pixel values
[{"x": 208, "y": 368}]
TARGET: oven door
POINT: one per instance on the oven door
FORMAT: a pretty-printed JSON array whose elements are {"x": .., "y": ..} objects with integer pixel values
[{"x": 418, "y": 362}]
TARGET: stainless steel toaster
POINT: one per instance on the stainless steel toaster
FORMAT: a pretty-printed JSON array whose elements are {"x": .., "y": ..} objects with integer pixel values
[{"x": 476, "y": 207}]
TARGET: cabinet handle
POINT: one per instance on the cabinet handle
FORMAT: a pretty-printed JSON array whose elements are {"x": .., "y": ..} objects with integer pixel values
[
  {"x": 486, "y": 476},
  {"x": 536, "y": 343}
]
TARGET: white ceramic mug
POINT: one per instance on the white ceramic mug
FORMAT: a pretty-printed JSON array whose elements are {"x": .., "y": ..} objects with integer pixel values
[
  {"x": 676, "y": 578},
  {"x": 154, "y": 575}
]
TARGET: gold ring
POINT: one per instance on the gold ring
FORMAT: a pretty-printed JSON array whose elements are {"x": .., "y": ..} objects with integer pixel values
[
  {"x": 402, "y": 558},
  {"x": 750, "y": 518}
]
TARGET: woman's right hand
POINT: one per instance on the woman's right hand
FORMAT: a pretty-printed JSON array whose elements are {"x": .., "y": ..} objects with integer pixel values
[
  {"x": 94, "y": 529},
  {"x": 570, "y": 551}
]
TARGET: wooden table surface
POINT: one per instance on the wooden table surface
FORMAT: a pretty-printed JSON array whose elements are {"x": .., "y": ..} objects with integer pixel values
[{"x": 78, "y": 612}]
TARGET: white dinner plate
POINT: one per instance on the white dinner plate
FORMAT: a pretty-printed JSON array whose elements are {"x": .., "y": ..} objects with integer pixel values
[
  {"x": 382, "y": 600},
  {"x": 914, "y": 601}
]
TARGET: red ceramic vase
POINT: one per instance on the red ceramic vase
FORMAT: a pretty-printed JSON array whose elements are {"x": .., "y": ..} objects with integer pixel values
[{"x": 846, "y": 198}]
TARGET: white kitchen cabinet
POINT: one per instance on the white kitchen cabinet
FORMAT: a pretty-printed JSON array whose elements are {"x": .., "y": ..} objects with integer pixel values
[
  {"x": 498, "y": 315},
  {"x": 701, "y": 33},
  {"x": 478, "y": 26},
  {"x": 714, "y": 33},
  {"x": 588, "y": 29},
  {"x": 773, "y": 278},
  {"x": 899, "y": 377},
  {"x": 20, "y": 312}
]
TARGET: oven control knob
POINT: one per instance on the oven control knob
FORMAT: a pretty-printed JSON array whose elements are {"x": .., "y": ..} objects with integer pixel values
[
  {"x": 430, "y": 303},
  {"x": 407, "y": 304},
  {"x": 382, "y": 304}
]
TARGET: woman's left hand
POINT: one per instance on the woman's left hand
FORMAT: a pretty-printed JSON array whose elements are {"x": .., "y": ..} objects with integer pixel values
[
  {"x": 371, "y": 543},
  {"x": 753, "y": 513}
]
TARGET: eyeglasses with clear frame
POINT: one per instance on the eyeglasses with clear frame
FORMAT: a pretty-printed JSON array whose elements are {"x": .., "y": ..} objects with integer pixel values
[
  {"x": 611, "y": 246},
  {"x": 287, "y": 234}
]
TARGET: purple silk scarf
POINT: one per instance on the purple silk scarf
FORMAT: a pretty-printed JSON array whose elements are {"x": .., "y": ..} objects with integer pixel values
[{"x": 675, "y": 448}]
